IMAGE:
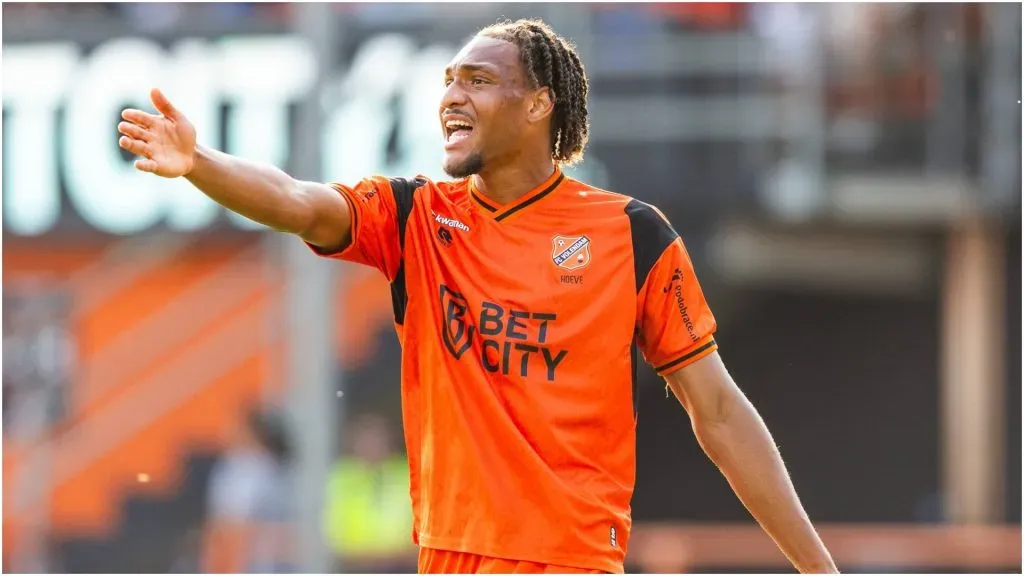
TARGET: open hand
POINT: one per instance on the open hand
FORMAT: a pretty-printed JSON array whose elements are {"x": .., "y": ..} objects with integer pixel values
[{"x": 166, "y": 141}]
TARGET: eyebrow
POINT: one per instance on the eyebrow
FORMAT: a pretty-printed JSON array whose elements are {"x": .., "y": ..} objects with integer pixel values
[{"x": 468, "y": 67}]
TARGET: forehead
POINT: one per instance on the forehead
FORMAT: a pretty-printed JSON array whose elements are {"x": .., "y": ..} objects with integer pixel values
[{"x": 487, "y": 53}]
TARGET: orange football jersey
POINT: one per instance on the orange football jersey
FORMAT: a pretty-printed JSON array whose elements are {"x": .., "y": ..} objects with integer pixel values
[{"x": 519, "y": 326}]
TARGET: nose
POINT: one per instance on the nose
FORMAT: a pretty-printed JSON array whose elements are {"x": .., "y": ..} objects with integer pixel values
[{"x": 454, "y": 96}]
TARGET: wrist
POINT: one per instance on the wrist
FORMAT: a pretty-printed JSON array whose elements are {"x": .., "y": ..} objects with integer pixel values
[{"x": 198, "y": 154}]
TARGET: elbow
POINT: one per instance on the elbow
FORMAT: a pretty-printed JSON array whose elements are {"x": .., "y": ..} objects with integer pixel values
[
  {"x": 714, "y": 428},
  {"x": 302, "y": 220},
  {"x": 708, "y": 437}
]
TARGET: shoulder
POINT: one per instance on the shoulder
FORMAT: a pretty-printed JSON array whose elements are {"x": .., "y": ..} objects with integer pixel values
[
  {"x": 399, "y": 192},
  {"x": 586, "y": 194},
  {"x": 651, "y": 235},
  {"x": 649, "y": 225},
  {"x": 406, "y": 189},
  {"x": 398, "y": 186},
  {"x": 649, "y": 232},
  {"x": 645, "y": 220}
]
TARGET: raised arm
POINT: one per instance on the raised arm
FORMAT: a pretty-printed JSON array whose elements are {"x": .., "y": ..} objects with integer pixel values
[
  {"x": 733, "y": 435},
  {"x": 166, "y": 144}
]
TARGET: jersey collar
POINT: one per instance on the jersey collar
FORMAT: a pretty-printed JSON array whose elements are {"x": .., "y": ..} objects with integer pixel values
[{"x": 500, "y": 212}]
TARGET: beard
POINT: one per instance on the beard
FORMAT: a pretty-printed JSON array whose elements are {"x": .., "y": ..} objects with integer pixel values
[{"x": 468, "y": 166}]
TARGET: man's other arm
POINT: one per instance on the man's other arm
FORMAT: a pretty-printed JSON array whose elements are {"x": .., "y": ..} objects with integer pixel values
[
  {"x": 166, "y": 145},
  {"x": 313, "y": 211},
  {"x": 733, "y": 435}
]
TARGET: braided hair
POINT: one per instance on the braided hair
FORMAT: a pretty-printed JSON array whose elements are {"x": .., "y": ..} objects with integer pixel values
[{"x": 551, "y": 61}]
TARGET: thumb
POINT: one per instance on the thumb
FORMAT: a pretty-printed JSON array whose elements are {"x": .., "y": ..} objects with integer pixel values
[
  {"x": 146, "y": 165},
  {"x": 163, "y": 105}
]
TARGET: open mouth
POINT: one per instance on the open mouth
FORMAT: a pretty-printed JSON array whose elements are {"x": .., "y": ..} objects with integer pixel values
[{"x": 457, "y": 130}]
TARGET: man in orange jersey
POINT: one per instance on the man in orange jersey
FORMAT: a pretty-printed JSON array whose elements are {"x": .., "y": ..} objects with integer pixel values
[{"x": 520, "y": 297}]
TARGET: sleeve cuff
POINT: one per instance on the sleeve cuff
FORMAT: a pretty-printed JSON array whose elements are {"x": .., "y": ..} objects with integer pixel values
[{"x": 705, "y": 346}]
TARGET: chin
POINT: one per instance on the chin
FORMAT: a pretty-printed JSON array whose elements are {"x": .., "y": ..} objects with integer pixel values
[{"x": 463, "y": 166}]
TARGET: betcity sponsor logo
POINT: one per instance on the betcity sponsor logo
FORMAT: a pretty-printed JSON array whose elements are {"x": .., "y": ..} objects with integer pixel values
[{"x": 511, "y": 341}]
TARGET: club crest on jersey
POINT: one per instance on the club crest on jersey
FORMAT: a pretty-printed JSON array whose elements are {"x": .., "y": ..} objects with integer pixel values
[{"x": 570, "y": 252}]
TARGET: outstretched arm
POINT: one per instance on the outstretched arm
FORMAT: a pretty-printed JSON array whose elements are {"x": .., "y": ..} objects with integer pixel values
[
  {"x": 733, "y": 435},
  {"x": 166, "y": 144}
]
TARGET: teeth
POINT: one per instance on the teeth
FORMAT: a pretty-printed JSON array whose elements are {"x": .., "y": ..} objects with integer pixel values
[{"x": 454, "y": 124}]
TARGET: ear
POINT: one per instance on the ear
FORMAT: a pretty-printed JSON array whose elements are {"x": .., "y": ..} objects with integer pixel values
[{"x": 542, "y": 104}]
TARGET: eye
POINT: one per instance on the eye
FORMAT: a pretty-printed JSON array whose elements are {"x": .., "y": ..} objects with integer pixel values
[
  {"x": 479, "y": 81},
  {"x": 447, "y": 82}
]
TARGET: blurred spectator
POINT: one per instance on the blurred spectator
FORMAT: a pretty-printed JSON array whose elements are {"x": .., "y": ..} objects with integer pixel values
[
  {"x": 38, "y": 357},
  {"x": 369, "y": 513},
  {"x": 250, "y": 501}
]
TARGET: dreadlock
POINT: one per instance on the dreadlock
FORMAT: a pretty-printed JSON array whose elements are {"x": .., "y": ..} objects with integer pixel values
[{"x": 551, "y": 61}]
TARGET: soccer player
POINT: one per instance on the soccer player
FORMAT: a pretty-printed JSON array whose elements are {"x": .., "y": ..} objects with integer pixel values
[{"x": 520, "y": 296}]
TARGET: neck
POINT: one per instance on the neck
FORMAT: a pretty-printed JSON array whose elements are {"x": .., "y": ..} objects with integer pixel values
[{"x": 506, "y": 184}]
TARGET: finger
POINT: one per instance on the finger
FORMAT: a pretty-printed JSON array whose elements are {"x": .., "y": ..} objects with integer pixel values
[
  {"x": 162, "y": 104},
  {"x": 139, "y": 117},
  {"x": 145, "y": 165},
  {"x": 134, "y": 131},
  {"x": 137, "y": 147}
]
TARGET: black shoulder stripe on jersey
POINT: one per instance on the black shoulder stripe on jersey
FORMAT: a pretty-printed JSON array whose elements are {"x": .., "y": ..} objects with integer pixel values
[
  {"x": 633, "y": 366},
  {"x": 399, "y": 295},
  {"x": 650, "y": 234},
  {"x": 404, "y": 192}
]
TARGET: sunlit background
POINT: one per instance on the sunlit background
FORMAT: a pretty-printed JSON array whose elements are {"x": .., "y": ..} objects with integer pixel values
[{"x": 185, "y": 392}]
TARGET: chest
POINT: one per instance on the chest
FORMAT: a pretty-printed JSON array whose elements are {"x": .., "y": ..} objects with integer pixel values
[
  {"x": 548, "y": 258},
  {"x": 542, "y": 281}
]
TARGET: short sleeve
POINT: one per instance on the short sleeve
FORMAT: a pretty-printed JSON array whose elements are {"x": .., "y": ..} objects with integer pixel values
[
  {"x": 675, "y": 326},
  {"x": 380, "y": 209}
]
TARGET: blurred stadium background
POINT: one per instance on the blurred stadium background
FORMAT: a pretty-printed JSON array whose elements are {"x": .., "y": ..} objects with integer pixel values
[{"x": 183, "y": 392}]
